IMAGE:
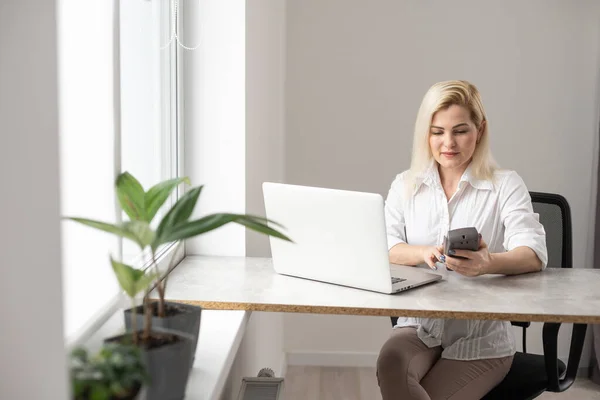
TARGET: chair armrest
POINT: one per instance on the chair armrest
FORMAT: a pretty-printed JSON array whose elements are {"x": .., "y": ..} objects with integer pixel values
[
  {"x": 550, "y": 339},
  {"x": 521, "y": 324}
]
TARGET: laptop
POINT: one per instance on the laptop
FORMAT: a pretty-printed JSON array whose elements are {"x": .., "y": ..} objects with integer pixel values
[{"x": 339, "y": 237}]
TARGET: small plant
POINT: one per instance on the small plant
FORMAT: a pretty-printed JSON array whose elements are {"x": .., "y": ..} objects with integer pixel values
[
  {"x": 175, "y": 226},
  {"x": 115, "y": 372}
]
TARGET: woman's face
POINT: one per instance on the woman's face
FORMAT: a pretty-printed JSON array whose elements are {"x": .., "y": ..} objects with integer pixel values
[{"x": 453, "y": 137}]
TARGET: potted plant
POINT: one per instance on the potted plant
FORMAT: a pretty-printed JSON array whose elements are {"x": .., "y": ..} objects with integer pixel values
[
  {"x": 167, "y": 327},
  {"x": 166, "y": 354},
  {"x": 116, "y": 372}
]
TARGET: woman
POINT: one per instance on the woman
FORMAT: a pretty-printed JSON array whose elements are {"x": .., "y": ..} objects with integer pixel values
[{"x": 453, "y": 183}]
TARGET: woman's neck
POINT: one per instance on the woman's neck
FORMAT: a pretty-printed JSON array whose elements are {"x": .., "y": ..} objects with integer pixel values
[{"x": 449, "y": 178}]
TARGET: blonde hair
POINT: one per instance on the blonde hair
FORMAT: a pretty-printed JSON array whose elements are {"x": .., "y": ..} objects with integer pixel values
[{"x": 439, "y": 97}]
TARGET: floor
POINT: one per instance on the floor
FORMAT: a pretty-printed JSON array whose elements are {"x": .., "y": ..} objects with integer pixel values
[{"x": 335, "y": 383}]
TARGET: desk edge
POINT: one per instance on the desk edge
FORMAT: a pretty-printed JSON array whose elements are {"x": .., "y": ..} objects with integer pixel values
[{"x": 311, "y": 309}]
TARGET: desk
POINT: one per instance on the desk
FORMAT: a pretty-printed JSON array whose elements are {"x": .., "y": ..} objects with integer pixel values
[{"x": 243, "y": 283}]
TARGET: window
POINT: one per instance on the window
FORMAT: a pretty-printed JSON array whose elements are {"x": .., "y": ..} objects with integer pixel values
[
  {"x": 148, "y": 100},
  {"x": 93, "y": 149}
]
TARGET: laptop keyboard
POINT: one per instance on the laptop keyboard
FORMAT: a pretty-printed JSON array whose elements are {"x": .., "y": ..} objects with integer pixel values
[{"x": 397, "y": 280}]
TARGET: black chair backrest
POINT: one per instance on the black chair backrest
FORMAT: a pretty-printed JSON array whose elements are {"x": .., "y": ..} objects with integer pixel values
[{"x": 555, "y": 216}]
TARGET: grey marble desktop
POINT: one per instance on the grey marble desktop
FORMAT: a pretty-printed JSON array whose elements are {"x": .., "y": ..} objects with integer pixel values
[{"x": 242, "y": 283}]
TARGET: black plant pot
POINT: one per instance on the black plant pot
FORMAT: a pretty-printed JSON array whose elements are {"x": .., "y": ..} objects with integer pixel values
[
  {"x": 167, "y": 359},
  {"x": 180, "y": 317}
]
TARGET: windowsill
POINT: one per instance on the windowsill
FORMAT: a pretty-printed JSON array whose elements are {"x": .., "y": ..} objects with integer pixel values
[{"x": 221, "y": 333}]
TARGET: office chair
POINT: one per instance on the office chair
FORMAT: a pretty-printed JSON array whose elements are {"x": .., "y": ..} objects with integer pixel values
[{"x": 532, "y": 374}]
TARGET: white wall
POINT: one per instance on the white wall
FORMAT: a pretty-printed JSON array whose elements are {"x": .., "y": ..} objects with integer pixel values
[
  {"x": 31, "y": 296},
  {"x": 265, "y": 139},
  {"x": 356, "y": 72},
  {"x": 261, "y": 347}
]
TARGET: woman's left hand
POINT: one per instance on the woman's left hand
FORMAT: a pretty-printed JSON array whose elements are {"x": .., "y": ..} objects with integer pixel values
[{"x": 475, "y": 263}]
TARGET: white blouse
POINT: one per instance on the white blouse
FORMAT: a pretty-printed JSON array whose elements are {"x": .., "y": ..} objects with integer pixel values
[{"x": 501, "y": 211}]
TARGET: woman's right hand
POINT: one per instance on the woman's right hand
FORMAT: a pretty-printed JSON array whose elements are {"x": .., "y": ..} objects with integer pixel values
[{"x": 433, "y": 254}]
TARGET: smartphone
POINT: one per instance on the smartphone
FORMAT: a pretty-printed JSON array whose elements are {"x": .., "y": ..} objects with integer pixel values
[{"x": 461, "y": 239}]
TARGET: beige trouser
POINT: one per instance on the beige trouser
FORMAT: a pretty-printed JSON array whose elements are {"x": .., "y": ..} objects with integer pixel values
[{"x": 408, "y": 369}]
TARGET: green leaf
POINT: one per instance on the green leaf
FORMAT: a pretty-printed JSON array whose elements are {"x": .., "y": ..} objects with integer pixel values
[
  {"x": 131, "y": 280},
  {"x": 141, "y": 231},
  {"x": 78, "y": 387},
  {"x": 106, "y": 227},
  {"x": 144, "y": 282},
  {"x": 181, "y": 211},
  {"x": 158, "y": 194},
  {"x": 260, "y": 227},
  {"x": 131, "y": 196},
  {"x": 126, "y": 276},
  {"x": 79, "y": 353},
  {"x": 194, "y": 228},
  {"x": 265, "y": 220},
  {"x": 99, "y": 392},
  {"x": 117, "y": 388}
]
